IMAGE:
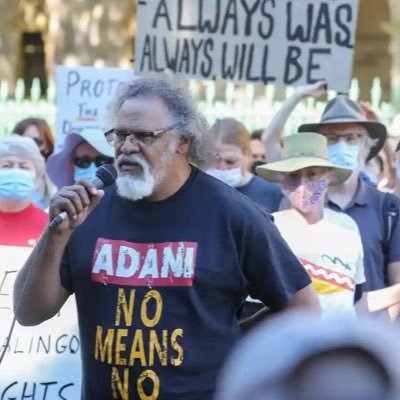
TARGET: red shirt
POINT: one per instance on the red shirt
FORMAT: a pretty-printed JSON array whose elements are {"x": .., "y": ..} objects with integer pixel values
[{"x": 22, "y": 228}]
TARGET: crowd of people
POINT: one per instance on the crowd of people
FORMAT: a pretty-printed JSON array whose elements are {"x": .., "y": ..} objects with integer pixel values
[{"x": 228, "y": 228}]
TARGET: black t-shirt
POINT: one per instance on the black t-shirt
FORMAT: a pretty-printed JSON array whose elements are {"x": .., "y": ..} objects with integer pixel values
[
  {"x": 158, "y": 286},
  {"x": 265, "y": 194}
]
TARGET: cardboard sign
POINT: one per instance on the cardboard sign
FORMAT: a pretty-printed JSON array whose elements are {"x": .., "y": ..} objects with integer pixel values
[
  {"x": 41, "y": 362},
  {"x": 83, "y": 95},
  {"x": 283, "y": 42}
]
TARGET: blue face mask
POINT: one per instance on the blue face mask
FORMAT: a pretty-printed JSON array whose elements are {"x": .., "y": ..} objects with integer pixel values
[
  {"x": 344, "y": 154},
  {"x": 231, "y": 177},
  {"x": 16, "y": 184},
  {"x": 85, "y": 173}
]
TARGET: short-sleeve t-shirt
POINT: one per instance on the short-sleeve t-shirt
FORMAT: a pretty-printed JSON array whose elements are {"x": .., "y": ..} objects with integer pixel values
[
  {"x": 265, "y": 194},
  {"x": 366, "y": 209},
  {"x": 331, "y": 252},
  {"x": 158, "y": 286},
  {"x": 23, "y": 228}
]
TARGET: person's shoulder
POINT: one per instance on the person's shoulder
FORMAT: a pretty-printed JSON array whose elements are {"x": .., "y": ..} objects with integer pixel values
[
  {"x": 37, "y": 216},
  {"x": 341, "y": 219},
  {"x": 39, "y": 213},
  {"x": 224, "y": 197},
  {"x": 282, "y": 215},
  {"x": 263, "y": 183},
  {"x": 284, "y": 219}
]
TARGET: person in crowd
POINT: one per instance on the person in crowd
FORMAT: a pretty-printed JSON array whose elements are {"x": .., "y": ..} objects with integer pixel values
[
  {"x": 39, "y": 130},
  {"x": 161, "y": 262},
  {"x": 396, "y": 165},
  {"x": 233, "y": 161},
  {"x": 336, "y": 266},
  {"x": 82, "y": 153},
  {"x": 257, "y": 150},
  {"x": 21, "y": 169},
  {"x": 374, "y": 171},
  {"x": 327, "y": 243},
  {"x": 353, "y": 140},
  {"x": 302, "y": 358}
]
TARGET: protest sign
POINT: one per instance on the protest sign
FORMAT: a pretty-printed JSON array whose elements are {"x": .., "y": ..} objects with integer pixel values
[
  {"x": 83, "y": 95},
  {"x": 283, "y": 42},
  {"x": 41, "y": 362}
]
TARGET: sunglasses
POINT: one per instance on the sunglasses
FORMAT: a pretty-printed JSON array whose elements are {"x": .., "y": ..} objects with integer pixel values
[{"x": 85, "y": 161}]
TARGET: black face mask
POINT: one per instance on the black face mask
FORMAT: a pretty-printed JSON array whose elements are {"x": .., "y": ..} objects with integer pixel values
[{"x": 254, "y": 165}]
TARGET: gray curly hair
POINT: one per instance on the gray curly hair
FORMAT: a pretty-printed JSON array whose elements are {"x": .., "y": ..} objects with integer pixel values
[{"x": 187, "y": 118}]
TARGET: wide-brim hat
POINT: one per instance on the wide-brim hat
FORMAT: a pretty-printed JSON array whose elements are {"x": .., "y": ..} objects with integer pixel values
[
  {"x": 60, "y": 167},
  {"x": 342, "y": 110},
  {"x": 303, "y": 150}
]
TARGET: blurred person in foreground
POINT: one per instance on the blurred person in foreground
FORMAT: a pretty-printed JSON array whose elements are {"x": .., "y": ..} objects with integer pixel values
[
  {"x": 80, "y": 156},
  {"x": 299, "y": 357},
  {"x": 232, "y": 165},
  {"x": 38, "y": 130},
  {"x": 162, "y": 265},
  {"x": 353, "y": 140},
  {"x": 21, "y": 169}
]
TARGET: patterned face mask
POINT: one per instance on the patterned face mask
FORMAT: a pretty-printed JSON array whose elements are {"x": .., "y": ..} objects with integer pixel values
[{"x": 305, "y": 196}]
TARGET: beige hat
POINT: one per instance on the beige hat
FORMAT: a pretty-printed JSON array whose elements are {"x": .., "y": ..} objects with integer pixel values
[{"x": 303, "y": 150}]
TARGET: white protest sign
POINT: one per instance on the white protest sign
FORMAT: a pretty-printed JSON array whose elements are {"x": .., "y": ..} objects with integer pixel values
[
  {"x": 41, "y": 362},
  {"x": 283, "y": 42},
  {"x": 83, "y": 95}
]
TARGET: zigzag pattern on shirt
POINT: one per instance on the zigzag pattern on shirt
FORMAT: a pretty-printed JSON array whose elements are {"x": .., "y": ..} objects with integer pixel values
[{"x": 329, "y": 276}]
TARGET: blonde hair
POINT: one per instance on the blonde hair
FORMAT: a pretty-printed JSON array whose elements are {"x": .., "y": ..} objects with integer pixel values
[{"x": 231, "y": 131}]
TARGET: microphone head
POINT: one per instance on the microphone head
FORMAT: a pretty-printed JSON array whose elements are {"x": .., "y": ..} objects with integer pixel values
[{"x": 107, "y": 174}]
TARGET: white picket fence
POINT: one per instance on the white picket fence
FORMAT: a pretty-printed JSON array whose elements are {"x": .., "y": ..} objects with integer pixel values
[{"x": 244, "y": 102}]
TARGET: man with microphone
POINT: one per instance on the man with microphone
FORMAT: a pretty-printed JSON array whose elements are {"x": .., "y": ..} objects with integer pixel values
[{"x": 161, "y": 262}]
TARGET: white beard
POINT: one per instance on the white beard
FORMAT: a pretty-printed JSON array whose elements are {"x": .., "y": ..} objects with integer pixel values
[
  {"x": 139, "y": 187},
  {"x": 135, "y": 188}
]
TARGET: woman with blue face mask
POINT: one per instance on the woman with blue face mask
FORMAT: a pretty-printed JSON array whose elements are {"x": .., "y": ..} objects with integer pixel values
[
  {"x": 233, "y": 162},
  {"x": 21, "y": 170},
  {"x": 79, "y": 157}
]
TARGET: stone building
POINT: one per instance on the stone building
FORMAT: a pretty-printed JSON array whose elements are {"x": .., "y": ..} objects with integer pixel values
[{"x": 35, "y": 35}]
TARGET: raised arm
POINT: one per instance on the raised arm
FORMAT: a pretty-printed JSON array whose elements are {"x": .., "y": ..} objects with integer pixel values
[
  {"x": 38, "y": 292},
  {"x": 273, "y": 133}
]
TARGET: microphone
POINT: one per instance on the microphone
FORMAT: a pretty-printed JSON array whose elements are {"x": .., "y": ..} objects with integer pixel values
[{"x": 105, "y": 176}]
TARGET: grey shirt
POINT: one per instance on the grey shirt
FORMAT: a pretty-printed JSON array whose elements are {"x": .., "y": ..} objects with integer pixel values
[{"x": 366, "y": 209}]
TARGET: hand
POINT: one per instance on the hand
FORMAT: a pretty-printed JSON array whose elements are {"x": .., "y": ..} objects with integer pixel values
[
  {"x": 368, "y": 111},
  {"x": 316, "y": 90},
  {"x": 78, "y": 201}
]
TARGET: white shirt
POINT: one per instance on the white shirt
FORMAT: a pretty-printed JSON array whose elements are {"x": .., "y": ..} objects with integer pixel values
[{"x": 331, "y": 252}]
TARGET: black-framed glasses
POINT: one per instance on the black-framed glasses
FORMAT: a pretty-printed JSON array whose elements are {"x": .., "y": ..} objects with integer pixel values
[
  {"x": 85, "y": 161},
  {"x": 116, "y": 137}
]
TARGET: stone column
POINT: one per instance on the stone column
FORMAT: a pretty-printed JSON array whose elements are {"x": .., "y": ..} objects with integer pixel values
[
  {"x": 371, "y": 58},
  {"x": 9, "y": 40},
  {"x": 393, "y": 28},
  {"x": 91, "y": 32}
]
